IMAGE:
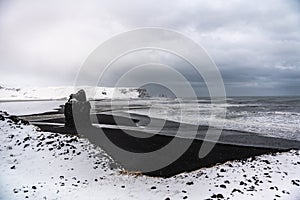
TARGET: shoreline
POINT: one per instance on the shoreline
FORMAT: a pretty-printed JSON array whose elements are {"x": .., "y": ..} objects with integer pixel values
[{"x": 188, "y": 161}]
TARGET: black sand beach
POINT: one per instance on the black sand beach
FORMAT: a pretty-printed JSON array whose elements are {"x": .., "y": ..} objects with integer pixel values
[{"x": 232, "y": 145}]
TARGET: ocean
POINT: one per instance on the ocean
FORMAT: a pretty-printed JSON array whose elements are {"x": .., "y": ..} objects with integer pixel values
[{"x": 267, "y": 116}]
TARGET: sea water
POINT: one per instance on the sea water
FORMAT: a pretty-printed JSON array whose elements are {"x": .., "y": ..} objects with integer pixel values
[{"x": 268, "y": 116}]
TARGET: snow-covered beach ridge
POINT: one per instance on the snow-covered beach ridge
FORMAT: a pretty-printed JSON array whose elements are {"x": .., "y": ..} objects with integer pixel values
[
  {"x": 57, "y": 93},
  {"x": 44, "y": 165}
]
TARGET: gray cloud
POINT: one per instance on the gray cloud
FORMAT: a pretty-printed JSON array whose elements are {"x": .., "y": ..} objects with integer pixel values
[{"x": 255, "y": 44}]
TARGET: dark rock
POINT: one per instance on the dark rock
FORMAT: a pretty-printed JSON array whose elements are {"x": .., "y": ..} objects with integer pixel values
[
  {"x": 79, "y": 96},
  {"x": 11, "y": 136},
  {"x": 243, "y": 183},
  {"x": 190, "y": 183},
  {"x": 16, "y": 120},
  {"x": 153, "y": 188},
  {"x": 296, "y": 182},
  {"x": 72, "y": 140},
  {"x": 49, "y": 142},
  {"x": 266, "y": 161},
  {"x": 236, "y": 190},
  {"x": 39, "y": 144},
  {"x": 77, "y": 109},
  {"x": 251, "y": 188},
  {"x": 218, "y": 196}
]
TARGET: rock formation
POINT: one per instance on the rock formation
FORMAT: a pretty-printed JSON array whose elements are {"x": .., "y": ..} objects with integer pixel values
[{"x": 77, "y": 110}]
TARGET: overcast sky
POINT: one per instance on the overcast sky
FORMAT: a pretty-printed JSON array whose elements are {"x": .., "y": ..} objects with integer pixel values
[{"x": 255, "y": 44}]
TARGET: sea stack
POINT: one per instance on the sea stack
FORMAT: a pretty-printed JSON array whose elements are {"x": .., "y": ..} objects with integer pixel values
[{"x": 77, "y": 110}]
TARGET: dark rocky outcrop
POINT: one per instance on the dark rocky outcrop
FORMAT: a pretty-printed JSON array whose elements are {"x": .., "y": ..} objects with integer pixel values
[{"x": 77, "y": 110}]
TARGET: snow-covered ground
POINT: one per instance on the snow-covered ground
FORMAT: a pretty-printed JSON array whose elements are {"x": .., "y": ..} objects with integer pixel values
[
  {"x": 54, "y": 93},
  {"x": 41, "y": 165},
  {"x": 31, "y": 107}
]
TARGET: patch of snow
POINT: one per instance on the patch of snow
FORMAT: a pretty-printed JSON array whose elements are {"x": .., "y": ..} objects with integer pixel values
[
  {"x": 43, "y": 165},
  {"x": 30, "y": 107},
  {"x": 55, "y": 93}
]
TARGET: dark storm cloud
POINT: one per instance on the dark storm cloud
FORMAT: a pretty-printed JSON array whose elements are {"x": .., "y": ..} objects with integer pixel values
[{"x": 255, "y": 44}]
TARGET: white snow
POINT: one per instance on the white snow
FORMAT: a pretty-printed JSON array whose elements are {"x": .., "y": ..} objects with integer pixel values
[
  {"x": 63, "y": 92},
  {"x": 42, "y": 165},
  {"x": 30, "y": 107}
]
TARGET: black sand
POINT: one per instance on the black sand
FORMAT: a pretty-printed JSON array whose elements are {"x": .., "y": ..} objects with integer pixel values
[{"x": 231, "y": 146}]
